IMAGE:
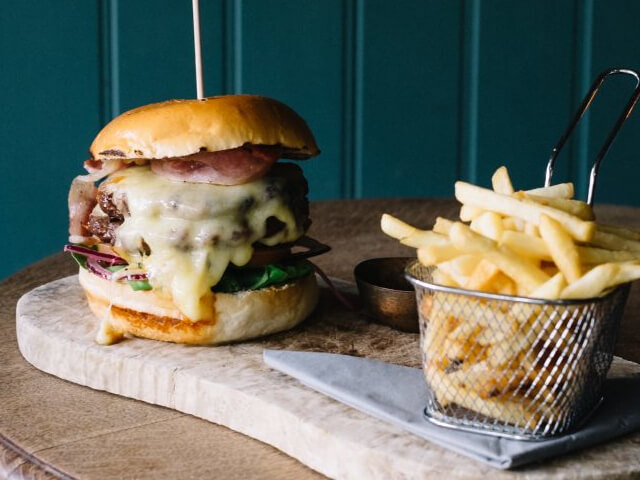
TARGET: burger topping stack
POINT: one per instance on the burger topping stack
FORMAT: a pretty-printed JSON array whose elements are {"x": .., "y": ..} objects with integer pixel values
[{"x": 189, "y": 191}]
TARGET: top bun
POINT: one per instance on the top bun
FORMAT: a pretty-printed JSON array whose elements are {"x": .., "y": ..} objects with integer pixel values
[{"x": 177, "y": 128}]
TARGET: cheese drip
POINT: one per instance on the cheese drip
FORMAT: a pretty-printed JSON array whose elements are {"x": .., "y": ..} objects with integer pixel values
[{"x": 186, "y": 234}]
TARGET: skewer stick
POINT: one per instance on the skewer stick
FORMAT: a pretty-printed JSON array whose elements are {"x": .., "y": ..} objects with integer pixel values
[{"x": 198, "y": 49}]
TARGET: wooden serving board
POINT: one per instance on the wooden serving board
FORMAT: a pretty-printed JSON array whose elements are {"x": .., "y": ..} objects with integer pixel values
[{"x": 230, "y": 385}]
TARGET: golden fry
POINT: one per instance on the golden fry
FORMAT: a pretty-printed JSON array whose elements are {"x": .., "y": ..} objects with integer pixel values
[
  {"x": 561, "y": 190},
  {"x": 489, "y": 224},
  {"x": 482, "y": 276},
  {"x": 423, "y": 238},
  {"x": 551, "y": 289},
  {"x": 611, "y": 241},
  {"x": 525, "y": 209},
  {"x": 621, "y": 232},
  {"x": 395, "y": 227},
  {"x": 574, "y": 207},
  {"x": 469, "y": 213},
  {"x": 434, "y": 254},
  {"x": 561, "y": 247},
  {"x": 522, "y": 272},
  {"x": 442, "y": 226},
  {"x": 501, "y": 181}
]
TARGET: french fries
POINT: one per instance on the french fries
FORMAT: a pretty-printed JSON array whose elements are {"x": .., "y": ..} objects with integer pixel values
[
  {"x": 501, "y": 181},
  {"x": 518, "y": 362},
  {"x": 523, "y": 208},
  {"x": 574, "y": 207},
  {"x": 561, "y": 247},
  {"x": 521, "y": 271},
  {"x": 561, "y": 190},
  {"x": 613, "y": 241},
  {"x": 489, "y": 224},
  {"x": 395, "y": 227}
]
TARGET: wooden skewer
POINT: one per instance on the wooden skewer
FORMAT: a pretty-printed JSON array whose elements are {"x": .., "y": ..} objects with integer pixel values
[{"x": 198, "y": 49}]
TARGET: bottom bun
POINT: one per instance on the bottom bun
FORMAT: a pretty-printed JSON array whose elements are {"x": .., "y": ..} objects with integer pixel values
[{"x": 237, "y": 316}]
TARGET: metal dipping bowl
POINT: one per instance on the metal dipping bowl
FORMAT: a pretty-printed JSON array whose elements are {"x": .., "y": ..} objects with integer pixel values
[{"x": 385, "y": 293}]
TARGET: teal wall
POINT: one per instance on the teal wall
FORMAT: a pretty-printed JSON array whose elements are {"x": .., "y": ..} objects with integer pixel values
[{"x": 404, "y": 96}]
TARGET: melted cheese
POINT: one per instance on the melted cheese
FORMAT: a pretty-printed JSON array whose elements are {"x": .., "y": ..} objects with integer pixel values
[{"x": 193, "y": 231}]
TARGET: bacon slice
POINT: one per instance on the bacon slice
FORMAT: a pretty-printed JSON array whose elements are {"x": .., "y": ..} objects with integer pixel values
[
  {"x": 227, "y": 167},
  {"x": 82, "y": 197}
]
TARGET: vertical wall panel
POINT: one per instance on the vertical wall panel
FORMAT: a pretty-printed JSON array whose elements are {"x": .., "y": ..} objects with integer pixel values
[
  {"x": 294, "y": 53},
  {"x": 50, "y": 112},
  {"x": 155, "y": 57},
  {"x": 410, "y": 82},
  {"x": 615, "y": 44},
  {"x": 525, "y": 84},
  {"x": 403, "y": 97}
]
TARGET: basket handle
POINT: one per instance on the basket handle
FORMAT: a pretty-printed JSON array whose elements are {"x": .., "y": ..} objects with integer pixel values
[{"x": 586, "y": 102}]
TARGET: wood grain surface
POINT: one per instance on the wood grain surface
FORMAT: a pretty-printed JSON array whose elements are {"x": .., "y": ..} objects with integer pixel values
[{"x": 51, "y": 428}]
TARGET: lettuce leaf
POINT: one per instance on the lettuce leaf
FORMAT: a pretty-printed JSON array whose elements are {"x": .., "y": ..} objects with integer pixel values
[{"x": 238, "y": 279}]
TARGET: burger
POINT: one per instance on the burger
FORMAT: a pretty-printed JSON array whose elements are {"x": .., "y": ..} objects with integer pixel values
[{"x": 184, "y": 226}]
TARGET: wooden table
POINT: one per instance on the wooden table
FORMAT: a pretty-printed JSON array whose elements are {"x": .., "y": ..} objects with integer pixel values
[{"x": 51, "y": 428}]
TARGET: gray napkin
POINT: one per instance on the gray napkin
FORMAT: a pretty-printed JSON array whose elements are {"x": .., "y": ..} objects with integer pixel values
[{"x": 397, "y": 394}]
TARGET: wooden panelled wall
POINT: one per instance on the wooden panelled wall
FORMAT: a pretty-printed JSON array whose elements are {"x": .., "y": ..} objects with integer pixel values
[{"x": 404, "y": 96}]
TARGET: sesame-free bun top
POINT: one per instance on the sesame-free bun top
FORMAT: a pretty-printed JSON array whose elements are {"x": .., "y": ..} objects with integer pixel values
[{"x": 178, "y": 128}]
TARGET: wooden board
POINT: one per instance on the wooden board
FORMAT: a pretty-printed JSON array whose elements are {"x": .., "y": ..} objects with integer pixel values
[{"x": 230, "y": 385}]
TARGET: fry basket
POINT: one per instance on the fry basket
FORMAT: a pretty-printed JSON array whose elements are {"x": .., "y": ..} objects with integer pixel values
[{"x": 514, "y": 366}]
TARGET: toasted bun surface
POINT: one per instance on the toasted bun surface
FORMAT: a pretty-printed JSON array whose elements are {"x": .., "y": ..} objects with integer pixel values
[
  {"x": 177, "y": 128},
  {"x": 237, "y": 316}
]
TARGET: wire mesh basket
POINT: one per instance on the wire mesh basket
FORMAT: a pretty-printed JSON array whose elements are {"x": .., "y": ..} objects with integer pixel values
[{"x": 513, "y": 366}]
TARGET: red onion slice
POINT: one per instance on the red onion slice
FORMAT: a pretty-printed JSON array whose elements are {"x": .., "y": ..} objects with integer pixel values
[
  {"x": 95, "y": 261},
  {"x": 336, "y": 293},
  {"x": 93, "y": 265},
  {"x": 89, "y": 253}
]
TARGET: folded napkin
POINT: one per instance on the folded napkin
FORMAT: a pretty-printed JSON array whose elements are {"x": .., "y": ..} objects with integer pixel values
[{"x": 397, "y": 395}]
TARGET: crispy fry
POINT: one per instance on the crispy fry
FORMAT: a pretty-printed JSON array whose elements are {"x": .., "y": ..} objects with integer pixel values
[
  {"x": 482, "y": 276},
  {"x": 433, "y": 254},
  {"x": 489, "y": 224},
  {"x": 395, "y": 227},
  {"x": 503, "y": 285},
  {"x": 561, "y": 190},
  {"x": 423, "y": 238},
  {"x": 628, "y": 272},
  {"x": 611, "y": 241},
  {"x": 441, "y": 278},
  {"x": 501, "y": 181},
  {"x": 512, "y": 223},
  {"x": 574, "y": 207},
  {"x": 592, "y": 283},
  {"x": 531, "y": 229},
  {"x": 526, "y": 245},
  {"x": 592, "y": 255},
  {"x": 521, "y": 271},
  {"x": 551, "y": 289},
  {"x": 442, "y": 226},
  {"x": 525, "y": 209},
  {"x": 469, "y": 213},
  {"x": 460, "y": 268},
  {"x": 620, "y": 231},
  {"x": 561, "y": 247}
]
